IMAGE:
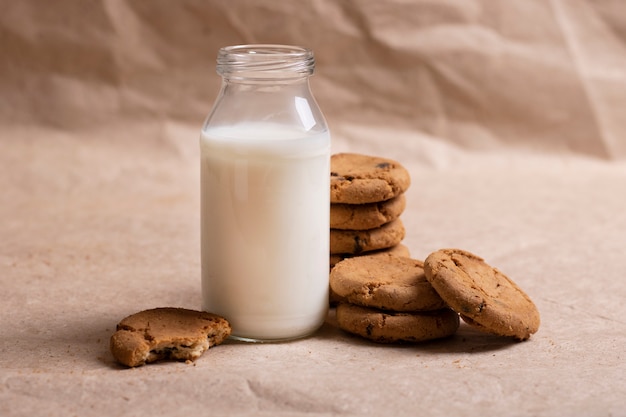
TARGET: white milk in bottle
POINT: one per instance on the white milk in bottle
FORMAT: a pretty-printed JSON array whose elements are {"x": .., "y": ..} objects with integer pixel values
[{"x": 265, "y": 204}]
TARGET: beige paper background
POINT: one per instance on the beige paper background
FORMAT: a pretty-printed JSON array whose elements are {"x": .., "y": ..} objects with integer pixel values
[
  {"x": 509, "y": 116},
  {"x": 544, "y": 76}
]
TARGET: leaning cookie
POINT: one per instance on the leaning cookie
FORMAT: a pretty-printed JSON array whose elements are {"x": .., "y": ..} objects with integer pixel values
[
  {"x": 483, "y": 296},
  {"x": 360, "y": 179},
  {"x": 358, "y": 241},
  {"x": 386, "y": 282},
  {"x": 389, "y": 327},
  {"x": 166, "y": 333},
  {"x": 366, "y": 216}
]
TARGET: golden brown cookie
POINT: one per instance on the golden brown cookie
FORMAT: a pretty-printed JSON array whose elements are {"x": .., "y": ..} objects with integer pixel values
[
  {"x": 166, "y": 333},
  {"x": 481, "y": 294},
  {"x": 388, "y": 327},
  {"x": 366, "y": 216},
  {"x": 398, "y": 250},
  {"x": 358, "y": 241},
  {"x": 360, "y": 179},
  {"x": 386, "y": 282}
]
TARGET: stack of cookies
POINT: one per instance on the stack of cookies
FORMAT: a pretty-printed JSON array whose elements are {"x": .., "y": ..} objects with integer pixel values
[
  {"x": 367, "y": 198},
  {"x": 381, "y": 293}
]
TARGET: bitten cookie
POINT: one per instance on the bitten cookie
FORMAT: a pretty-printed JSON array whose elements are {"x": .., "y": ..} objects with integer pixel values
[
  {"x": 482, "y": 295},
  {"x": 360, "y": 179},
  {"x": 366, "y": 216},
  {"x": 388, "y": 327},
  {"x": 386, "y": 282},
  {"x": 358, "y": 241},
  {"x": 166, "y": 333}
]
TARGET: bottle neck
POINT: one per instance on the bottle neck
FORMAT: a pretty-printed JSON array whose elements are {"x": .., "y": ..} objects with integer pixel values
[
  {"x": 266, "y": 85},
  {"x": 263, "y": 64}
]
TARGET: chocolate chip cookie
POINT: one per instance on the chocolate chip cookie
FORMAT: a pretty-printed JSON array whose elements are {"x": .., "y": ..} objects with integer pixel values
[
  {"x": 366, "y": 216},
  {"x": 361, "y": 179},
  {"x": 389, "y": 327},
  {"x": 385, "y": 282},
  {"x": 482, "y": 295},
  {"x": 358, "y": 241}
]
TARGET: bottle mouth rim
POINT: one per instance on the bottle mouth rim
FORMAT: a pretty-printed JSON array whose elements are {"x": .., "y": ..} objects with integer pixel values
[
  {"x": 265, "y": 61},
  {"x": 266, "y": 50}
]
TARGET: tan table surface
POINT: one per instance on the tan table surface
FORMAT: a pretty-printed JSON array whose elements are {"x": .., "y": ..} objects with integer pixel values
[{"x": 95, "y": 229}]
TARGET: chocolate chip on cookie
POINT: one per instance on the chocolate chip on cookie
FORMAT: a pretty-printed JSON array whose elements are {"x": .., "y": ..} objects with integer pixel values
[
  {"x": 482, "y": 295},
  {"x": 166, "y": 333}
]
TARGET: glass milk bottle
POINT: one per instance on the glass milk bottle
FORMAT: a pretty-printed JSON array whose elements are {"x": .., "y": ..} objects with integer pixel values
[{"x": 265, "y": 162}]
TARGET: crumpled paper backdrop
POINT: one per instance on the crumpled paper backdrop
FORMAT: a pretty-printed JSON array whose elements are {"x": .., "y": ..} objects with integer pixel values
[{"x": 536, "y": 75}]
